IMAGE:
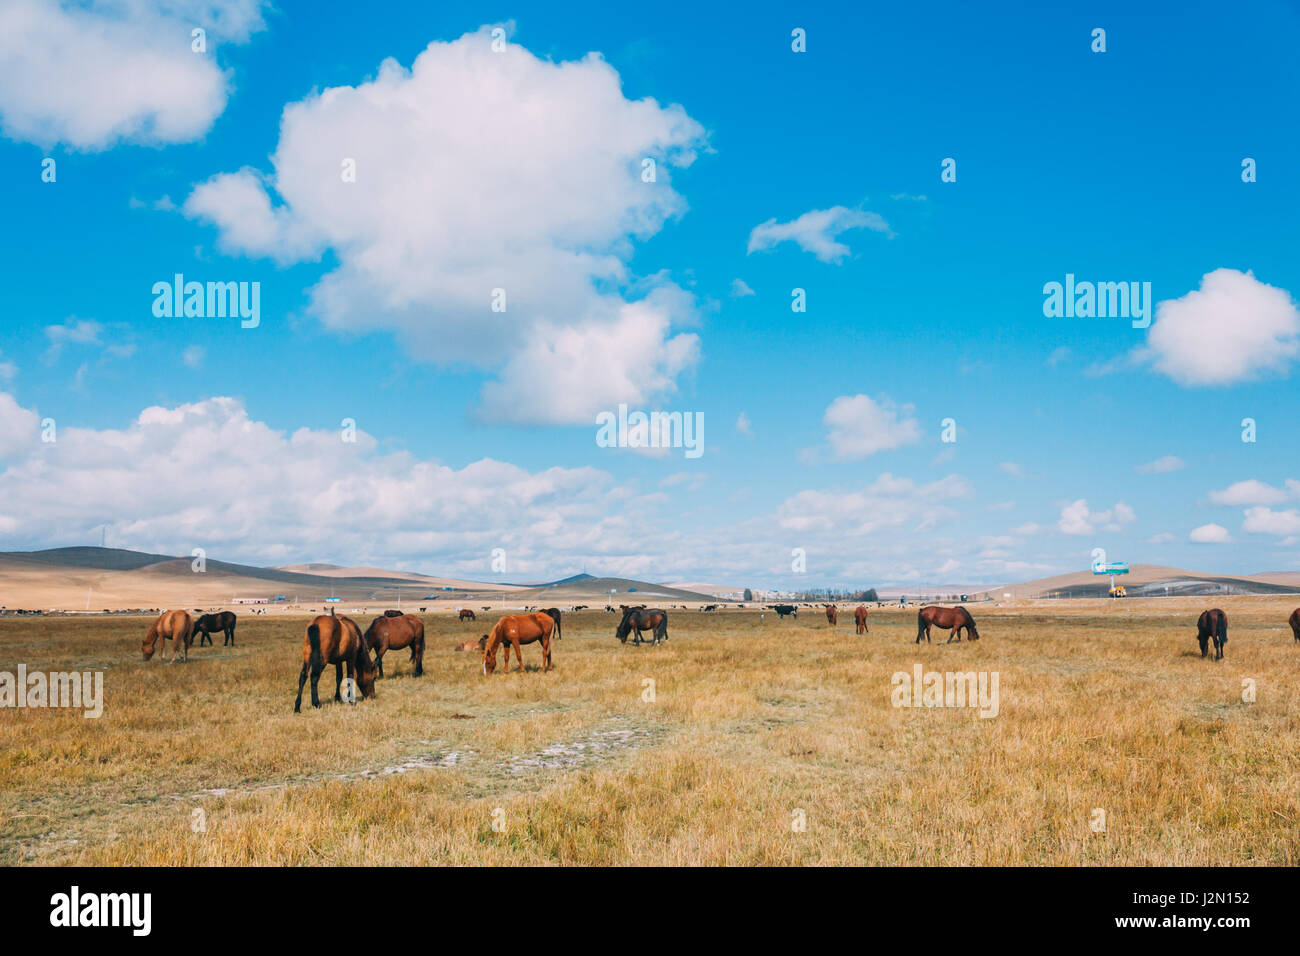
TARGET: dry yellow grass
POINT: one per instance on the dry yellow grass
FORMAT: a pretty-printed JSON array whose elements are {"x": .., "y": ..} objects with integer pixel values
[{"x": 1103, "y": 705}]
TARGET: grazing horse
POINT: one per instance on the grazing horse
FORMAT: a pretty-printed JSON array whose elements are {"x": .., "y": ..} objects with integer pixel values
[
  {"x": 337, "y": 641},
  {"x": 466, "y": 614},
  {"x": 223, "y": 621},
  {"x": 860, "y": 619},
  {"x": 642, "y": 620},
  {"x": 954, "y": 618},
  {"x": 392, "y": 634},
  {"x": 1213, "y": 625},
  {"x": 832, "y": 615},
  {"x": 554, "y": 613},
  {"x": 177, "y": 625},
  {"x": 513, "y": 630},
  {"x": 1295, "y": 623}
]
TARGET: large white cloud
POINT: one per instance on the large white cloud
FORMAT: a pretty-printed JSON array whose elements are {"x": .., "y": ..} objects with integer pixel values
[
  {"x": 476, "y": 171},
  {"x": 91, "y": 74},
  {"x": 858, "y": 426},
  {"x": 1233, "y": 328}
]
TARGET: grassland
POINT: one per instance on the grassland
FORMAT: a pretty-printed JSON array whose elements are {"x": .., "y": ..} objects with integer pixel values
[{"x": 1103, "y": 705}]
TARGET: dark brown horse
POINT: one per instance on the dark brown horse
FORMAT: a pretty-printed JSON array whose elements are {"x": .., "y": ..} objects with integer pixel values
[
  {"x": 512, "y": 631},
  {"x": 466, "y": 614},
  {"x": 860, "y": 619},
  {"x": 638, "y": 620},
  {"x": 392, "y": 634},
  {"x": 1295, "y": 623},
  {"x": 337, "y": 641},
  {"x": 221, "y": 621},
  {"x": 832, "y": 615},
  {"x": 176, "y": 625},
  {"x": 1212, "y": 625},
  {"x": 554, "y": 613},
  {"x": 948, "y": 618}
]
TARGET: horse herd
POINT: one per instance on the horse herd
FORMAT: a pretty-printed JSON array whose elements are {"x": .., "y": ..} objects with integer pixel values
[{"x": 338, "y": 640}]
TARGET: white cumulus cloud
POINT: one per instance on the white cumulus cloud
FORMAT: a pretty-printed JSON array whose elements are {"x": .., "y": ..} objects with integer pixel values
[
  {"x": 858, "y": 426},
  {"x": 496, "y": 200},
  {"x": 91, "y": 74},
  {"x": 1234, "y": 328}
]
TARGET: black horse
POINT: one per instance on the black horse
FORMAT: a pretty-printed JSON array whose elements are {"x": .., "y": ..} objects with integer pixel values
[
  {"x": 638, "y": 620},
  {"x": 554, "y": 613},
  {"x": 1212, "y": 624},
  {"x": 205, "y": 624}
]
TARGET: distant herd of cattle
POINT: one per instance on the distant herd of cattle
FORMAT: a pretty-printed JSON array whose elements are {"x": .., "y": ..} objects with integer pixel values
[{"x": 337, "y": 640}]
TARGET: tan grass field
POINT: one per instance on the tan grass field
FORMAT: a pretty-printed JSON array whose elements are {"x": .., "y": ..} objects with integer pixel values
[{"x": 1102, "y": 705}]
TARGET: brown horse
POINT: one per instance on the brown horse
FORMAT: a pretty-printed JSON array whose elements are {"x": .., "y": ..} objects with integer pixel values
[
  {"x": 948, "y": 618},
  {"x": 513, "y": 630},
  {"x": 393, "y": 633},
  {"x": 860, "y": 619},
  {"x": 177, "y": 625},
  {"x": 638, "y": 620},
  {"x": 1295, "y": 623},
  {"x": 466, "y": 614},
  {"x": 337, "y": 641},
  {"x": 1212, "y": 625},
  {"x": 222, "y": 621},
  {"x": 832, "y": 615}
]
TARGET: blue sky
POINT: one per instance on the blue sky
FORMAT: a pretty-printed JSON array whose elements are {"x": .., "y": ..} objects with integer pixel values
[{"x": 506, "y": 169}]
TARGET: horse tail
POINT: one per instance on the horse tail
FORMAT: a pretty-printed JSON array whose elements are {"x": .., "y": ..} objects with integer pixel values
[
  {"x": 315, "y": 659},
  {"x": 1223, "y": 629},
  {"x": 558, "y": 635}
]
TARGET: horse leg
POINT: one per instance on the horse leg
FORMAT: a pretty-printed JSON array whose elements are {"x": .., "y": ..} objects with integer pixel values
[
  {"x": 338, "y": 682},
  {"x": 302, "y": 679},
  {"x": 316, "y": 668},
  {"x": 417, "y": 655},
  {"x": 519, "y": 655},
  {"x": 546, "y": 654},
  {"x": 379, "y": 661}
]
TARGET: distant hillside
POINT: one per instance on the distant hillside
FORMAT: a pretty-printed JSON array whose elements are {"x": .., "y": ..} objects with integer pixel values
[
  {"x": 1144, "y": 580},
  {"x": 98, "y": 578}
]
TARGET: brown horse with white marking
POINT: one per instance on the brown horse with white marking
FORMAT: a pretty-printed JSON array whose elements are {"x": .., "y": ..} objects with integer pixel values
[
  {"x": 948, "y": 618},
  {"x": 390, "y": 633},
  {"x": 832, "y": 615},
  {"x": 176, "y": 625},
  {"x": 337, "y": 641},
  {"x": 860, "y": 619},
  {"x": 1212, "y": 625},
  {"x": 514, "y": 630}
]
